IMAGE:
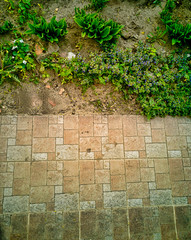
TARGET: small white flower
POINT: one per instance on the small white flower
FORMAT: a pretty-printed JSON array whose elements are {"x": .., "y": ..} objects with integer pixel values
[
  {"x": 13, "y": 57},
  {"x": 24, "y": 62},
  {"x": 21, "y": 41},
  {"x": 14, "y": 47},
  {"x": 188, "y": 55},
  {"x": 14, "y": 41}
]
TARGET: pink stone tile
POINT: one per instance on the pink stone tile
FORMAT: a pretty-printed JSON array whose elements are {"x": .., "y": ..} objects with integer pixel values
[
  {"x": 86, "y": 172},
  {"x": 158, "y": 135},
  {"x": 90, "y": 144},
  {"x": 130, "y": 126},
  {"x": 134, "y": 143},
  {"x": 54, "y": 178},
  {"x": 115, "y": 122},
  {"x": 24, "y": 123},
  {"x": 71, "y": 184},
  {"x": 24, "y": 137},
  {"x": 176, "y": 169},
  {"x": 86, "y": 126},
  {"x": 56, "y": 130},
  {"x": 71, "y": 136},
  {"x": 144, "y": 129},
  {"x": 38, "y": 173},
  {"x": 100, "y": 130},
  {"x": 171, "y": 126},
  {"x": 102, "y": 176},
  {"x": 40, "y": 126},
  {"x": 43, "y": 145},
  {"x": 132, "y": 170},
  {"x": 71, "y": 122},
  {"x": 118, "y": 183},
  {"x": 117, "y": 167},
  {"x": 115, "y": 136},
  {"x": 70, "y": 168}
]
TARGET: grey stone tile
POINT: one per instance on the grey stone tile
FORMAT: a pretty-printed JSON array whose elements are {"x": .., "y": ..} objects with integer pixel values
[
  {"x": 8, "y": 131},
  {"x": 104, "y": 224},
  {"x": 156, "y": 150},
  {"x": 115, "y": 199},
  {"x": 88, "y": 224},
  {"x": 6, "y": 180},
  {"x": 41, "y": 207},
  {"x": 19, "y": 226},
  {"x": 39, "y": 156},
  {"x": 160, "y": 197},
  {"x": 185, "y": 129},
  {"x": 37, "y": 226},
  {"x": 71, "y": 225},
  {"x": 66, "y": 202},
  {"x": 5, "y": 227},
  {"x": 87, "y": 205},
  {"x": 180, "y": 200},
  {"x": 120, "y": 224},
  {"x": 135, "y": 202},
  {"x": 8, "y": 192},
  {"x": 183, "y": 221},
  {"x": 19, "y": 153},
  {"x": 131, "y": 154},
  {"x": 53, "y": 226},
  {"x": 15, "y": 204},
  {"x": 174, "y": 154}
]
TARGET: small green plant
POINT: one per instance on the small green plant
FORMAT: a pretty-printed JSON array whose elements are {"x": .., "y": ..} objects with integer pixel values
[
  {"x": 24, "y": 11},
  {"x": 161, "y": 83},
  {"x": 48, "y": 31},
  {"x": 157, "y": 36},
  {"x": 15, "y": 59},
  {"x": 155, "y": 2},
  {"x": 106, "y": 33},
  {"x": 11, "y": 4},
  {"x": 179, "y": 33},
  {"x": 7, "y": 27},
  {"x": 97, "y": 4}
]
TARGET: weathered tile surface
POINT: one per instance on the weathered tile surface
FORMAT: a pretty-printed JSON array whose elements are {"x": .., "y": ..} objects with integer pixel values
[{"x": 95, "y": 177}]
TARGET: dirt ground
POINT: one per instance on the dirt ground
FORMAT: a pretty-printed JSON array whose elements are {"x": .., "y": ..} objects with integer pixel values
[{"x": 50, "y": 96}]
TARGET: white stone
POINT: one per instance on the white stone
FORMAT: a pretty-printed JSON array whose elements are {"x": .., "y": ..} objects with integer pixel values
[
  {"x": 58, "y": 189},
  {"x": 71, "y": 55},
  {"x": 11, "y": 141},
  {"x": 39, "y": 156},
  {"x": 86, "y": 155},
  {"x": 59, "y": 141},
  {"x": 8, "y": 192},
  {"x": 132, "y": 154},
  {"x": 174, "y": 154}
]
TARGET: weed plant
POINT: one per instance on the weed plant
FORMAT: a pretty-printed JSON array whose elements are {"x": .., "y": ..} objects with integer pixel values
[
  {"x": 106, "y": 33},
  {"x": 7, "y": 27},
  {"x": 15, "y": 60},
  {"x": 179, "y": 33},
  {"x": 97, "y": 5},
  {"x": 157, "y": 36},
  {"x": 48, "y": 31},
  {"x": 162, "y": 83},
  {"x": 24, "y": 7}
]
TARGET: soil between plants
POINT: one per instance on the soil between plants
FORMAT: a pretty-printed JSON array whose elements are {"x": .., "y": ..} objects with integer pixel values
[{"x": 49, "y": 96}]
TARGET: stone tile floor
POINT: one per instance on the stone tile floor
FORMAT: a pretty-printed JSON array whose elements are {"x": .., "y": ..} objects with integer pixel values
[{"x": 95, "y": 178}]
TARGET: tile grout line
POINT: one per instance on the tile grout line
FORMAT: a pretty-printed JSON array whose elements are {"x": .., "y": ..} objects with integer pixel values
[
  {"x": 28, "y": 220},
  {"x": 127, "y": 205},
  {"x": 79, "y": 212},
  {"x": 175, "y": 226}
]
